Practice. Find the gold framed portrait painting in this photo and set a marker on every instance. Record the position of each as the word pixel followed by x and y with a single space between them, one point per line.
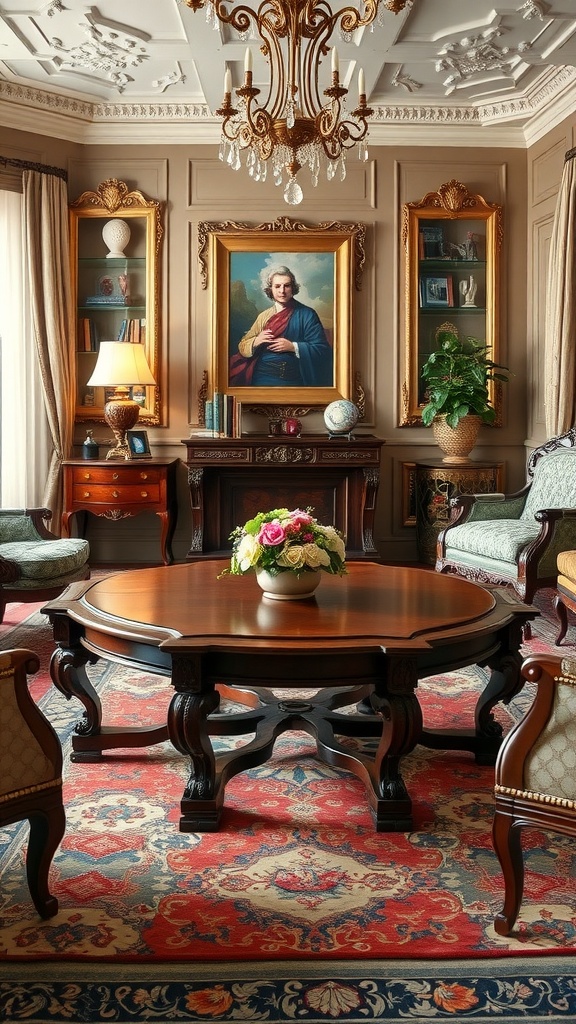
pixel 282 314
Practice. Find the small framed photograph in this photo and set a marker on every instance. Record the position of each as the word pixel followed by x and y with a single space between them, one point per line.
pixel 138 444
pixel 436 291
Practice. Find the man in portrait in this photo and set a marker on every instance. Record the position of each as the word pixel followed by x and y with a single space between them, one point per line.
pixel 286 346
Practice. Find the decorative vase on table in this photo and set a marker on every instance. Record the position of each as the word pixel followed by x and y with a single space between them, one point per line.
pixel 288 586
pixel 456 442
pixel 288 551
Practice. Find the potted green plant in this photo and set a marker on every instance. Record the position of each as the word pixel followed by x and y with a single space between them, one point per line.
pixel 457 376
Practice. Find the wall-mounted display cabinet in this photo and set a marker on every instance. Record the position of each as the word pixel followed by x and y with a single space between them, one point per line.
pixel 115 237
pixel 452 240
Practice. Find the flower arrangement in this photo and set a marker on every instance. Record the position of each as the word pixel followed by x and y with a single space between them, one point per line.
pixel 283 541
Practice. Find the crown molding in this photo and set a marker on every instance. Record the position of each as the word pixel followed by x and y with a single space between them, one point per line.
pixel 513 121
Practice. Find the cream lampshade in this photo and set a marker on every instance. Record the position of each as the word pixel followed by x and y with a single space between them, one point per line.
pixel 121 365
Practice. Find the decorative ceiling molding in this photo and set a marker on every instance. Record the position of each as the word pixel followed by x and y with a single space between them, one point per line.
pixel 73 119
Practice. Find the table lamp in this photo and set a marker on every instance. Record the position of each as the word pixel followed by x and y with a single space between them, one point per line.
pixel 121 365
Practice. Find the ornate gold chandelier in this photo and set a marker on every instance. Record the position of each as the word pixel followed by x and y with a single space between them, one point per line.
pixel 293 127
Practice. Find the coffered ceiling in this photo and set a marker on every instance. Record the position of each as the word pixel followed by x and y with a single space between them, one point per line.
pixel 483 72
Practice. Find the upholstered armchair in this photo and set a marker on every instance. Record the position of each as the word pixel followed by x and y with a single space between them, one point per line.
pixel 536 774
pixel 30 774
pixel 35 565
pixel 515 539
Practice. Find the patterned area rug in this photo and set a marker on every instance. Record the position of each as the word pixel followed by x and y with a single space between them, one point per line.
pixel 296 909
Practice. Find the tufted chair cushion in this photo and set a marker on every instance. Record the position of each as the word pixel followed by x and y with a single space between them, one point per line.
pixel 46 560
pixel 501 542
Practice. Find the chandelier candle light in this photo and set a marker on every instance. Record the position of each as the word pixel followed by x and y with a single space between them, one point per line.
pixel 293 127
pixel 287 551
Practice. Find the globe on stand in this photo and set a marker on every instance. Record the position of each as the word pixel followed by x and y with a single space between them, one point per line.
pixel 341 417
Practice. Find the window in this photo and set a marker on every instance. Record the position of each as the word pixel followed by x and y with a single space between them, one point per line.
pixel 24 435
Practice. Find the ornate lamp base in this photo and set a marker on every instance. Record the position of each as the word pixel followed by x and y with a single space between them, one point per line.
pixel 121 414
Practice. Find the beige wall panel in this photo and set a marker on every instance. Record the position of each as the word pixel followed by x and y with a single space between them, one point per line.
pixel 215 186
pixel 546 173
pixel 37 148
pixel 147 174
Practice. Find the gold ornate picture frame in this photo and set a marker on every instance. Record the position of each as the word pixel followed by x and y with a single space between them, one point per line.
pixel 326 261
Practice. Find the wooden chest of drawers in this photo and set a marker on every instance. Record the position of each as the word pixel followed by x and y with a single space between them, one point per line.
pixel 116 490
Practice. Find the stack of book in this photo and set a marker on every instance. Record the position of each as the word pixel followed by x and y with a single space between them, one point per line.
pixel 222 415
pixel 133 330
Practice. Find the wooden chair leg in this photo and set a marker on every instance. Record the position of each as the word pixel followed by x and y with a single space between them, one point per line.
pixel 47 827
pixel 562 616
pixel 506 838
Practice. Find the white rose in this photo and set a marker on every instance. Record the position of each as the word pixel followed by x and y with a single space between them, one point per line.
pixel 248 552
pixel 314 556
pixel 291 557
pixel 334 541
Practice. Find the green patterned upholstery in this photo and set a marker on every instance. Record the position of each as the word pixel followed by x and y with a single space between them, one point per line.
pixel 516 539
pixel 41 560
pixel 34 563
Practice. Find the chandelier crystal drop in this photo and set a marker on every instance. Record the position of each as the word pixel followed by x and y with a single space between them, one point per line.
pixel 293 127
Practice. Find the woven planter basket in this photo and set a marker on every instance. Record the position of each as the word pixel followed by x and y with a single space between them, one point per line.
pixel 458 442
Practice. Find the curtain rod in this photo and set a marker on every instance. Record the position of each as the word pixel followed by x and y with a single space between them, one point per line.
pixel 569 155
pixel 27 165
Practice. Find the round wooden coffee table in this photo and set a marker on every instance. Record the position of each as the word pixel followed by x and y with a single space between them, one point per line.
pixel 365 638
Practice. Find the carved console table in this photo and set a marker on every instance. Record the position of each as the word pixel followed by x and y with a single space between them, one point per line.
pixel 231 479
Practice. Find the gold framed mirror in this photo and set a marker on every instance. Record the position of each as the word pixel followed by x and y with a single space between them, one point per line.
pixel 115 236
pixel 452 240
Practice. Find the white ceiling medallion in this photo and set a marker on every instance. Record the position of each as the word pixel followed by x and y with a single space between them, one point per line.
pixel 104 52
pixel 474 55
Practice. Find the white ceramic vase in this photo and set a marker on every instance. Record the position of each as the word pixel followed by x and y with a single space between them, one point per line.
pixel 288 586
pixel 116 235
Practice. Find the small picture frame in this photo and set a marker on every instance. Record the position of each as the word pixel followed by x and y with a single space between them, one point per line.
pixel 436 291
pixel 138 444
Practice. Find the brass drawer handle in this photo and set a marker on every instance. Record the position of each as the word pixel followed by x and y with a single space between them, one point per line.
pixel 144 494
pixel 86 494
pixel 143 476
pixel 115 476
pixel 87 476
pixel 115 494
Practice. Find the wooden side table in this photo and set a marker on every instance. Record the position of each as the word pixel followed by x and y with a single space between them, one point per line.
pixel 116 490
pixel 436 483
pixel 231 479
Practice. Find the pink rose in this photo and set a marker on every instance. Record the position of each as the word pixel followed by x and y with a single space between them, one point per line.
pixel 271 534
pixel 299 518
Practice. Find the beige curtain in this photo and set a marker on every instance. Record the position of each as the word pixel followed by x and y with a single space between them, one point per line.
pixel 25 443
pixel 46 232
pixel 560 329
